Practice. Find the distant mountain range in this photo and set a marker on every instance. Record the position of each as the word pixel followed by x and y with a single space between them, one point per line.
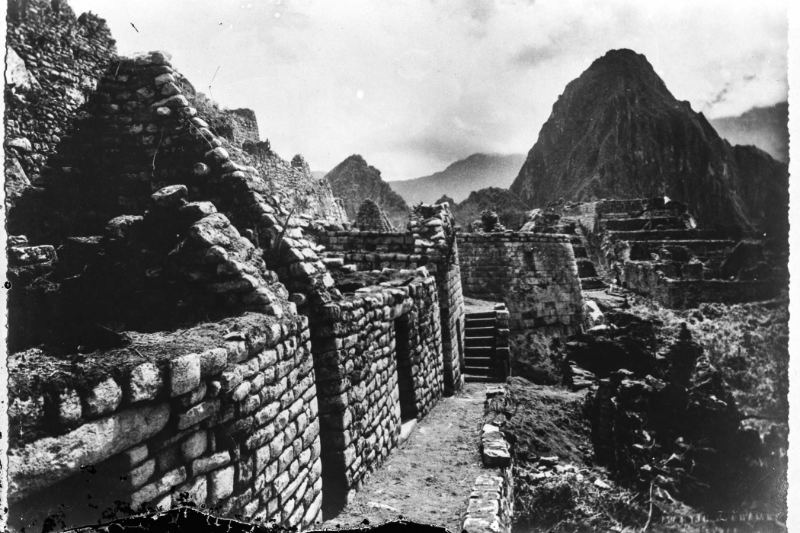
pixel 764 127
pixel 459 179
pixel 354 181
pixel 617 132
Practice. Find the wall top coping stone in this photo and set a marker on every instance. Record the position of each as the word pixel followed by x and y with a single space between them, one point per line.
pixel 514 236
pixel 356 233
pixel 35 372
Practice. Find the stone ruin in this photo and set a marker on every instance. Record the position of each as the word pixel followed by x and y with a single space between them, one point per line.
pixel 189 319
pixel 371 217
pixel 194 320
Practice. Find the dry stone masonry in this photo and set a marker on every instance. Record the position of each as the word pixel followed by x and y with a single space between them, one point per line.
pixel 230 421
pixel 243 347
pixel 54 62
pixel 490 507
pixel 534 274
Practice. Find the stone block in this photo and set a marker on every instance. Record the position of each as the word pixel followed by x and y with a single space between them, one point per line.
pixel 104 398
pixel 69 408
pixel 220 484
pixel 194 446
pixel 145 383
pixel 198 413
pixel 213 361
pixel 184 374
pixel 141 474
pixel 206 464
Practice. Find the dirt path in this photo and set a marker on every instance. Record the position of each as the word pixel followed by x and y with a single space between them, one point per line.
pixel 429 477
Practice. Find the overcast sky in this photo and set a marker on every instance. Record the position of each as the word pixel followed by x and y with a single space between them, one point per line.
pixel 415 85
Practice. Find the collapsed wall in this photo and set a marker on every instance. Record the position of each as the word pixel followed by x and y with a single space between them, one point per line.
pixel 534 274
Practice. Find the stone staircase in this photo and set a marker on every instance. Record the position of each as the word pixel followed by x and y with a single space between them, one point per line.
pixel 587 272
pixel 486 350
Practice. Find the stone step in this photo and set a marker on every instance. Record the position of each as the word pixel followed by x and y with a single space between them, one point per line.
pixel 470 378
pixel 483 331
pixel 641 250
pixel 592 283
pixel 479 322
pixel 471 351
pixel 651 213
pixel 666 234
pixel 640 223
pixel 478 362
pixel 479 341
pixel 479 314
pixel 586 269
pixel 476 370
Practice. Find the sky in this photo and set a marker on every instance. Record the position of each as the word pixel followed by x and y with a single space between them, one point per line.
pixel 414 85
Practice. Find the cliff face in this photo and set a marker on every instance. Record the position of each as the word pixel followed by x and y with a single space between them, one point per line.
pixel 354 181
pixel 617 132
pixel 461 178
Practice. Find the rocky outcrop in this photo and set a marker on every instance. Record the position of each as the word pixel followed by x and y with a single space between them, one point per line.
pixel 617 132
pixel 459 179
pixel 354 181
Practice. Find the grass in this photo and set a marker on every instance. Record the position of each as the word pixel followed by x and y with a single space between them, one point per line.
pixel 748 343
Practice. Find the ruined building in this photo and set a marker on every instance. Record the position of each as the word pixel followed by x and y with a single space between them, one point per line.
pixel 192 318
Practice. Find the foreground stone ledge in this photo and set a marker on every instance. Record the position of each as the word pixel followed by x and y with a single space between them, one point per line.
pixel 48 460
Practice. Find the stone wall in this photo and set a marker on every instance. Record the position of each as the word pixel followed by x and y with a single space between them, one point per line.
pixel 490 508
pixel 54 61
pixel 143 190
pixel 430 242
pixel 534 274
pixel 378 359
pixel 652 279
pixel 222 414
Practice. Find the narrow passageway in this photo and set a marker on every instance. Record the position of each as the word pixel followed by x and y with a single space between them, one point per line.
pixel 427 479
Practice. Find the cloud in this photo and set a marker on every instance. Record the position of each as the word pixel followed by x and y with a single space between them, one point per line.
pixel 534 55
pixel 444 78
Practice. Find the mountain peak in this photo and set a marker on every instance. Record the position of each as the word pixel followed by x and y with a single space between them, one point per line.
pixel 617 132
pixel 354 181
pixel 355 159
